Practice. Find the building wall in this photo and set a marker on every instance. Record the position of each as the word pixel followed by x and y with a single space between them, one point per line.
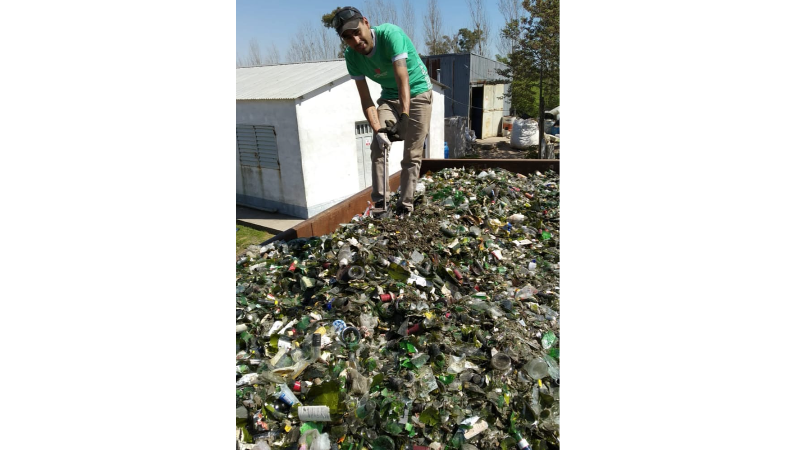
pixel 326 121
pixel 436 133
pixel 484 69
pixel 317 148
pixel 461 72
pixel 270 188
pixel 453 71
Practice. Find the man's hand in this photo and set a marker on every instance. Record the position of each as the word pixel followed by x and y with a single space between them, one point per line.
pixel 383 140
pixel 396 131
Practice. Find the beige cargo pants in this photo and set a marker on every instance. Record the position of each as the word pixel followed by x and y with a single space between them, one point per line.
pixel 420 121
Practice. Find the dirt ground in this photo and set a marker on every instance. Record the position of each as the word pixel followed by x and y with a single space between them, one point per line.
pixel 498 148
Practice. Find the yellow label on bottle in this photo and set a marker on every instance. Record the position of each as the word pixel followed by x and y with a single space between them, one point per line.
pixel 287 428
pixel 540 383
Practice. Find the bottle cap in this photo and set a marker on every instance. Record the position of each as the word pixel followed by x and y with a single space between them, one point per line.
pixel 339 325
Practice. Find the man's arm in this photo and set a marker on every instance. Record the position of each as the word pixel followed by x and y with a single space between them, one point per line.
pixel 370 112
pixel 403 87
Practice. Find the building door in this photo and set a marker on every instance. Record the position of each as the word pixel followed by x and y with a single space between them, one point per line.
pixel 363 141
pixel 492 110
pixel 476 110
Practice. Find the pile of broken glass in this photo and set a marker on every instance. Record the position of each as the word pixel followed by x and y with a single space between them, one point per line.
pixel 439 330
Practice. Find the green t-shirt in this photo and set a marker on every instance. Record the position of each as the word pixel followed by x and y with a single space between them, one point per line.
pixel 391 43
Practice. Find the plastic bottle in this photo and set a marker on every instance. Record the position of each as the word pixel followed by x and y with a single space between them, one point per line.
pixel 287 396
pixel 261 444
pixel 446 151
pixel 316 344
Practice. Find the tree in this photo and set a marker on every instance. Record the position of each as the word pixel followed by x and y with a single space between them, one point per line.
pixel 480 24
pixel 327 21
pixel 432 25
pixel 255 53
pixel 533 65
pixel 253 57
pixel 468 39
pixel 273 55
pixel 312 44
pixel 408 21
pixel 378 12
pixel 448 43
pixel 509 35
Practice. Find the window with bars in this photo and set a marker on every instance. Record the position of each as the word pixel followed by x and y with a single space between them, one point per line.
pixel 257 146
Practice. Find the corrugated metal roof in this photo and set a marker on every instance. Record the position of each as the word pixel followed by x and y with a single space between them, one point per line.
pixel 286 81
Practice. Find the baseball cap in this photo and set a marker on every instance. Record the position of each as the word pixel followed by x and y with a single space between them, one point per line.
pixel 347 18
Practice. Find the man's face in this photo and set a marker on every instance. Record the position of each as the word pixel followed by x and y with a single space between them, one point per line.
pixel 359 39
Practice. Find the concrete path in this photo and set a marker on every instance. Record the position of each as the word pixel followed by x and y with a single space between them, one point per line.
pixel 262 220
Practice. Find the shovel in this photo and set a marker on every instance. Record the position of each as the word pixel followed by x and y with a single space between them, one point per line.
pixel 385 177
pixel 389 124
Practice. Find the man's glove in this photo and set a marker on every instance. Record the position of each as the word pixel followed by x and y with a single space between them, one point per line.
pixel 383 140
pixel 396 131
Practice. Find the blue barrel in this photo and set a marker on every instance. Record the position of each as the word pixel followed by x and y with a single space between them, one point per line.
pixel 446 151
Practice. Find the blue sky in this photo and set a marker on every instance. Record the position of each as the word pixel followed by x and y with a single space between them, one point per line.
pixel 277 21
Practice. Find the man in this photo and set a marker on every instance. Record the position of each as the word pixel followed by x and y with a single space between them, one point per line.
pixel 386 55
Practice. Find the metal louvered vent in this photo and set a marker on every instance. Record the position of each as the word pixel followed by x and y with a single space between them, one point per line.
pixel 363 128
pixel 257 145
pixel 364 162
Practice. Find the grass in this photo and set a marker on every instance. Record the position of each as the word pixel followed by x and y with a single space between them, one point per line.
pixel 249 236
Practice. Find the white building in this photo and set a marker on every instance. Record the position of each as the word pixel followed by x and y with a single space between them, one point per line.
pixel 302 142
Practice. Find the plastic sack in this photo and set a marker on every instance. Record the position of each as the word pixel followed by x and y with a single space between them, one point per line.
pixel 360 383
pixel 315 441
pixel 261 445
pixel 548 125
pixel 368 322
pixel 470 136
pixel 524 133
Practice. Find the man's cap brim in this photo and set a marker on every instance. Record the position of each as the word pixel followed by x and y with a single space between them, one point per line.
pixel 351 24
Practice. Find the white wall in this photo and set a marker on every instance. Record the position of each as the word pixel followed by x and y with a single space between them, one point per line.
pixel 270 188
pixel 326 119
pixel 436 132
pixel 317 148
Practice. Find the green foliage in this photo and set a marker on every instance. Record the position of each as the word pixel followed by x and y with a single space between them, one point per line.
pixel 327 20
pixel 444 44
pixel 534 58
pixel 468 39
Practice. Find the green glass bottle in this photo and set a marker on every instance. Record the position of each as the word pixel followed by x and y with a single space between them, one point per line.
pixel 522 444
pixel 322 404
pixel 273 412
